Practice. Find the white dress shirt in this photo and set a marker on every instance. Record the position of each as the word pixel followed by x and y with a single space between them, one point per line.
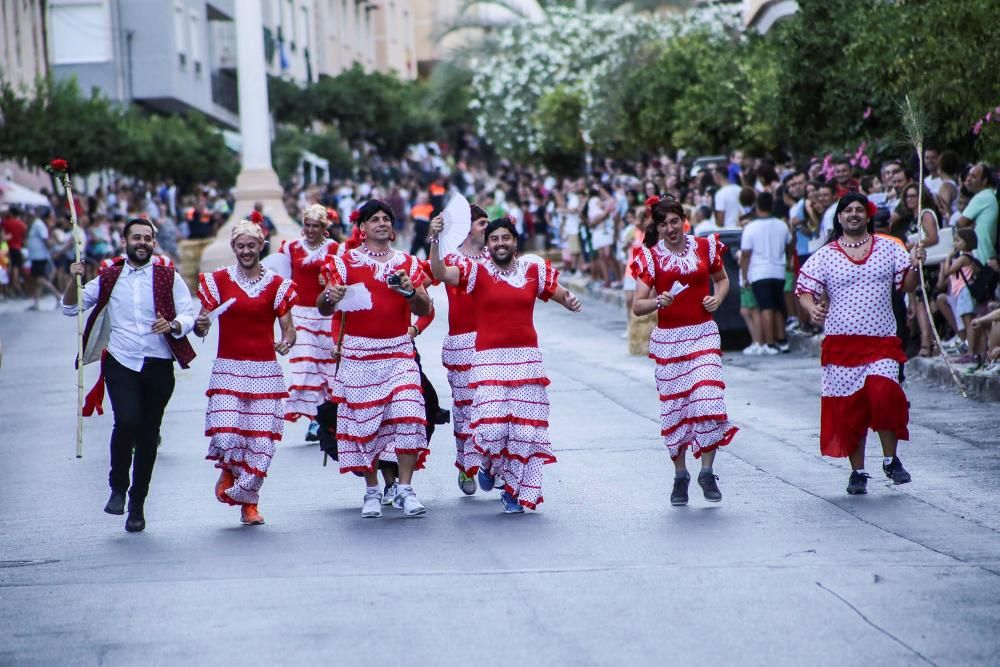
pixel 132 315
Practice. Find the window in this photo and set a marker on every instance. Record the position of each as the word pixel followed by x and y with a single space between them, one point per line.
pixel 305 27
pixel 180 34
pixel 196 37
pixel 79 31
pixel 289 20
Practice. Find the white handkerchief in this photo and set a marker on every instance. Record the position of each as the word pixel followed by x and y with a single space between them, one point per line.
pixel 677 288
pixel 357 298
pixel 221 308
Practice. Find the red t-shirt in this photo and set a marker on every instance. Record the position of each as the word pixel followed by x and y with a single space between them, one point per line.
pixel 17 230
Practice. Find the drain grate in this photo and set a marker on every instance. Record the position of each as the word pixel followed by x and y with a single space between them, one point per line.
pixel 26 563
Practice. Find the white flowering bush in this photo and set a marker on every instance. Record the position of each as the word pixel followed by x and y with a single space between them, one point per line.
pixel 566 50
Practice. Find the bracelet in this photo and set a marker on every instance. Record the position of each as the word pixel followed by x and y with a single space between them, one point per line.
pixel 415 328
pixel 433 240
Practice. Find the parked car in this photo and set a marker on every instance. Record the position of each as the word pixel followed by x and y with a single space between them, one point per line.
pixel 701 163
pixel 728 315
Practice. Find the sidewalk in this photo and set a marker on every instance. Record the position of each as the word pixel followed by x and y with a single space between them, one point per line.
pixel 931 369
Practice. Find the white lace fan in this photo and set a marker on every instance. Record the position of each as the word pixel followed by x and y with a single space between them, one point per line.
pixel 457 223
pixel 280 263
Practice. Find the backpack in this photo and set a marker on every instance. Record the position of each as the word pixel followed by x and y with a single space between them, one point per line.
pixel 984 283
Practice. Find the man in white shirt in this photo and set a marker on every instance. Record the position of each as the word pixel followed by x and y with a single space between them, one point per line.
pixel 763 259
pixel 727 200
pixel 39 246
pixel 149 310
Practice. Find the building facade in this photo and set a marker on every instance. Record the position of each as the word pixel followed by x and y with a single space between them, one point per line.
pixel 22 42
pixel 169 56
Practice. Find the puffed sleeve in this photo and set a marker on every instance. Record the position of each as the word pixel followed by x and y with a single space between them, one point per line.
pixel 208 291
pixel 812 277
pixel 900 263
pixel 285 297
pixel 467 272
pixel 642 266
pixel 416 272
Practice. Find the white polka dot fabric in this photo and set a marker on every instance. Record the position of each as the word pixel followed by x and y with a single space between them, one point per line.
pixel 457 355
pixel 312 363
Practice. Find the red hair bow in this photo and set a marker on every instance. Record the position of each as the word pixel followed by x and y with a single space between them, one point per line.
pixel 652 201
pixel 355 239
pixel 355 216
pixel 331 215
pixel 871 209
pixel 257 216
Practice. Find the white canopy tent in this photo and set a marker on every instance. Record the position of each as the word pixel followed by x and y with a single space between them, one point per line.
pixel 12 194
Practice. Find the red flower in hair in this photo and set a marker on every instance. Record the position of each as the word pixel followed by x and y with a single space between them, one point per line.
pixel 257 216
pixel 871 209
pixel 57 166
pixel 355 216
pixel 355 240
pixel 331 215
pixel 652 201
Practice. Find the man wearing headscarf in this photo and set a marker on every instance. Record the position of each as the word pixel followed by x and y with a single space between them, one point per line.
pixel 847 287
pixel 245 416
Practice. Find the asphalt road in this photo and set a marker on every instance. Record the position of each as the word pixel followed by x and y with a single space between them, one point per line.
pixel 788 569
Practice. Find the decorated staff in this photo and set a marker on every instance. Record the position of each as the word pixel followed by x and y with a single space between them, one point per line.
pixel 915 123
pixel 59 168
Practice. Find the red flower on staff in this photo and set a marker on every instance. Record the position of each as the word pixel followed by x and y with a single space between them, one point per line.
pixel 257 216
pixel 59 164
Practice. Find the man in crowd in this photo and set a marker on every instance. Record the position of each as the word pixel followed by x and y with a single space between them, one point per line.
pixel 143 310
pixel 39 244
pixel 763 258
pixel 727 200
pixel 14 230
pixel 981 213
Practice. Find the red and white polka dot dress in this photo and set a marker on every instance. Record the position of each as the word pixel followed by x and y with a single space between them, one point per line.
pixel 311 358
pixel 686 347
pixel 377 387
pixel 510 406
pixel 861 353
pixel 245 414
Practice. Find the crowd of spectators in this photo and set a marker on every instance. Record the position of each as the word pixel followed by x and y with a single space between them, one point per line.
pixel 592 224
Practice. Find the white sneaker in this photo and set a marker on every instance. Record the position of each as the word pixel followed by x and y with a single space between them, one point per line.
pixel 409 503
pixel 769 351
pixel 390 494
pixel 372 506
pixel 752 350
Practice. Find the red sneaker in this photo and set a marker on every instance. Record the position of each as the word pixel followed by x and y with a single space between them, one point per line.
pixel 226 481
pixel 249 516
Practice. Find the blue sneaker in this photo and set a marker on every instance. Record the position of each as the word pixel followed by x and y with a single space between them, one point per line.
pixel 486 480
pixel 510 504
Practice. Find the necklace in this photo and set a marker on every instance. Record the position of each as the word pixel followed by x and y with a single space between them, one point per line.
pixel 377 254
pixel 312 248
pixel 678 254
pixel 481 253
pixel 246 279
pixel 509 270
pixel 857 244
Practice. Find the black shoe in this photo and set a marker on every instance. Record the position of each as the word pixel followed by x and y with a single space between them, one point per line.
pixel 858 483
pixel 896 472
pixel 116 503
pixel 707 483
pixel 135 522
pixel 679 496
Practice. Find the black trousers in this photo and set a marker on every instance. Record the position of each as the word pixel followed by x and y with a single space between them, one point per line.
pixel 138 401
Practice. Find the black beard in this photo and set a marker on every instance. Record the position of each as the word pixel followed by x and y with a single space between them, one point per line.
pixel 501 263
pixel 131 254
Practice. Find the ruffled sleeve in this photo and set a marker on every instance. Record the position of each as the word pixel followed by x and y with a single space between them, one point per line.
pixel 334 272
pixel 548 280
pixel 642 266
pixel 208 291
pixel 900 263
pixel 716 249
pixel 428 275
pixel 285 297
pixel 467 272
pixel 812 278
pixel 283 248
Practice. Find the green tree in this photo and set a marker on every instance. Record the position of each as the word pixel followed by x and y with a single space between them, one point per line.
pixel 558 121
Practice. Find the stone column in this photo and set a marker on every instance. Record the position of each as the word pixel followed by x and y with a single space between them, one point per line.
pixel 257 180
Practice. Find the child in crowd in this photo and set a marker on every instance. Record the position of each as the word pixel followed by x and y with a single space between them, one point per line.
pixel 956 302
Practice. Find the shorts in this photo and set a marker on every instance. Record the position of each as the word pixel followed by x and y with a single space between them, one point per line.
pixel 16 258
pixel 746 298
pixel 39 268
pixel 962 304
pixel 601 239
pixel 789 282
pixel 769 293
